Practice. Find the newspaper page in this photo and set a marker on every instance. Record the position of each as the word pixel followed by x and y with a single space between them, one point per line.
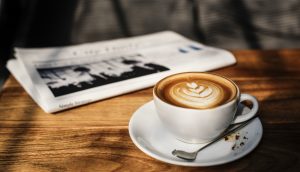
pixel 64 77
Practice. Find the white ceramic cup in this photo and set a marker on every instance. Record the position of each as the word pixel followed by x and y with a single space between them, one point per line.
pixel 202 125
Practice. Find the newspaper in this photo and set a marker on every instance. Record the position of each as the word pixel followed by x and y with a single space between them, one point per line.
pixel 64 77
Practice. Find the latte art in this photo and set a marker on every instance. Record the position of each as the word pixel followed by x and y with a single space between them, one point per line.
pixel 196 94
pixel 196 91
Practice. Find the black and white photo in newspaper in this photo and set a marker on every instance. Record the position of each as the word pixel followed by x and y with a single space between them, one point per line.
pixel 69 79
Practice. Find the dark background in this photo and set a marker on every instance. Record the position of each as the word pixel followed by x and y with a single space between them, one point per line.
pixel 230 24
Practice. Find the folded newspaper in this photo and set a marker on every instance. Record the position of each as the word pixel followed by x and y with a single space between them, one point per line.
pixel 64 77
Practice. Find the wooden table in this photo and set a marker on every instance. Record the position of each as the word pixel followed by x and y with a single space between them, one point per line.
pixel 95 137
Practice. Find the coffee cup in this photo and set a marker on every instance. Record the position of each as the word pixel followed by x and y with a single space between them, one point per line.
pixel 197 107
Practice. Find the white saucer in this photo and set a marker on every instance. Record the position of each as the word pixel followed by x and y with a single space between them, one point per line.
pixel 150 136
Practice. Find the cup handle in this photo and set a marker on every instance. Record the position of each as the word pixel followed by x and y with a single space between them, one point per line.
pixel 253 111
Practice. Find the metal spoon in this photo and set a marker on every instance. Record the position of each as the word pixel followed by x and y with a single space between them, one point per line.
pixel 191 156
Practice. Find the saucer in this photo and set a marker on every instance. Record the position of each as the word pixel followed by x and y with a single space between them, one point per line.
pixel 150 136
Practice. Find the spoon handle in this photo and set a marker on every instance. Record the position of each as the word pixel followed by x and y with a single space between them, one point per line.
pixel 232 129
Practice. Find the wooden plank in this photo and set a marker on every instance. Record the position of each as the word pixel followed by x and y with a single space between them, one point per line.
pixel 107 149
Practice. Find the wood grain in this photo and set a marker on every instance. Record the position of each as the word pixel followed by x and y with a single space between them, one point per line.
pixel 95 137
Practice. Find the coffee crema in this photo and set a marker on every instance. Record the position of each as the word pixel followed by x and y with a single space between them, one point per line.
pixel 196 90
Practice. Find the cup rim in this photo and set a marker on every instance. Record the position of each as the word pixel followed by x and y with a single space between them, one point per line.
pixel 236 97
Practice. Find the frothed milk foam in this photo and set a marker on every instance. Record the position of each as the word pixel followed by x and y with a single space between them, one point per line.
pixel 196 90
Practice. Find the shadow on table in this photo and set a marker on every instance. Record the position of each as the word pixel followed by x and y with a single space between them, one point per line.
pixel 17 135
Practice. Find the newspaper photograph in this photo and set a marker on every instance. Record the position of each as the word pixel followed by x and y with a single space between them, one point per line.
pixel 68 79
